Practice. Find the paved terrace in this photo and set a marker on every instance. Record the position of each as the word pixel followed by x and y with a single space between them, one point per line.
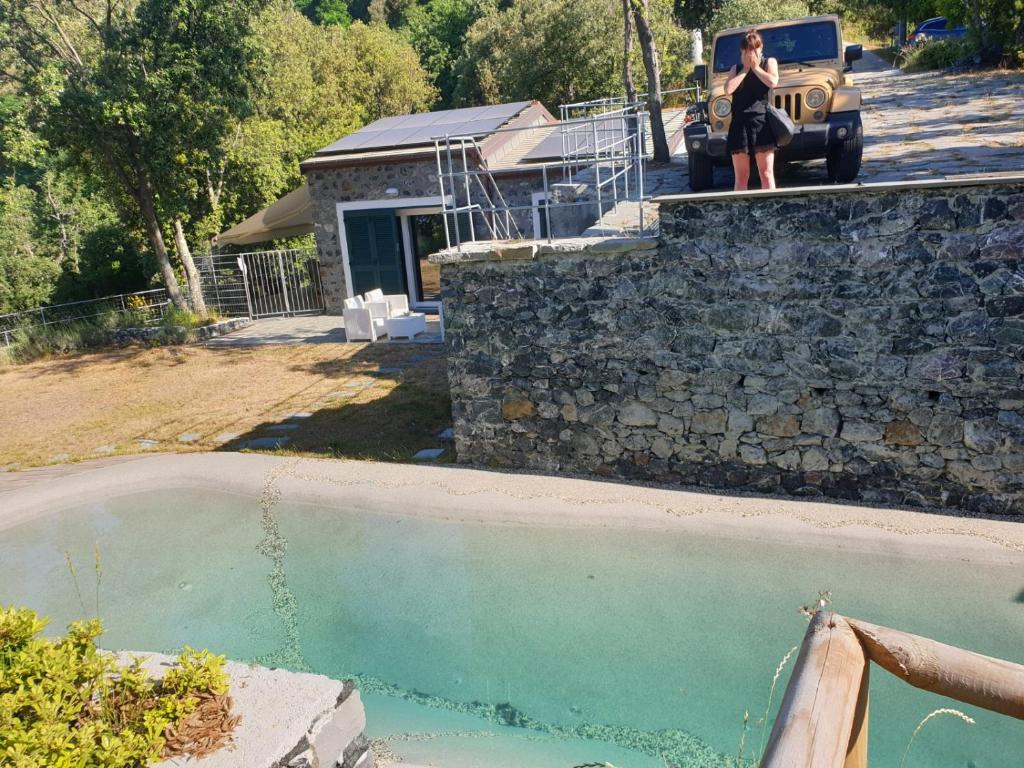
pixel 916 126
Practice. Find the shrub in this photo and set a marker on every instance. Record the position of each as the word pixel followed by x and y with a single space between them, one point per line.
pixel 940 54
pixel 63 702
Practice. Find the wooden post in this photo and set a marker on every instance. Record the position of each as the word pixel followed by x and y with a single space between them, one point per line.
pixel 969 677
pixel 857 750
pixel 815 725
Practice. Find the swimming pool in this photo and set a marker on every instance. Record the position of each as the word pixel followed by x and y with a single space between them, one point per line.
pixel 482 640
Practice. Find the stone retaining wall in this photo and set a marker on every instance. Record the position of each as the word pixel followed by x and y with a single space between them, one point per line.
pixel 858 343
pixel 175 333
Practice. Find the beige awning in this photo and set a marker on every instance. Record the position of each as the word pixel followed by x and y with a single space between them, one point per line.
pixel 291 216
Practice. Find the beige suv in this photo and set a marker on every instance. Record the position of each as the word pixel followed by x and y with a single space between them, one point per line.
pixel 814 89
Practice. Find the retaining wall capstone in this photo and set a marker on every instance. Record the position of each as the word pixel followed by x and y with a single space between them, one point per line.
pixel 863 344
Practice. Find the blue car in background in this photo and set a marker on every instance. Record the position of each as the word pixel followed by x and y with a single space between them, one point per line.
pixel 935 29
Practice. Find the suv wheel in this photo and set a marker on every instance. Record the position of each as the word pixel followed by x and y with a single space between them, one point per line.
pixel 843 160
pixel 702 171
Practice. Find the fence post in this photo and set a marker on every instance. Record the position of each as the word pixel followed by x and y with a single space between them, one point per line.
pixel 284 283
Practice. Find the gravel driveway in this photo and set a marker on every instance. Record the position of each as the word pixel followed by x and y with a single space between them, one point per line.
pixel 916 126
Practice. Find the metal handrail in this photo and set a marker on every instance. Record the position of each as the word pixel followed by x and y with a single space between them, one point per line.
pixel 611 143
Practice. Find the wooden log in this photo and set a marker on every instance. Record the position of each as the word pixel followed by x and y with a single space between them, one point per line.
pixel 857 751
pixel 817 714
pixel 962 675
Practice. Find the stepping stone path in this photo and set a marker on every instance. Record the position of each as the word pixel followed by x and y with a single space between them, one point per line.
pixel 446 434
pixel 59 458
pixel 390 371
pixel 189 437
pixel 300 415
pixel 146 444
pixel 428 454
pixel 264 443
pixel 104 449
pixel 226 437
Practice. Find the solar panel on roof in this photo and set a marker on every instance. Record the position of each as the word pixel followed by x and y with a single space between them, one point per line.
pixel 417 129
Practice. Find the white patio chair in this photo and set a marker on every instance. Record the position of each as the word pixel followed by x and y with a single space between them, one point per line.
pixel 386 305
pixel 360 322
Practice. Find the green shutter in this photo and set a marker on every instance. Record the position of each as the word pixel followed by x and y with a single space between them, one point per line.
pixel 375 251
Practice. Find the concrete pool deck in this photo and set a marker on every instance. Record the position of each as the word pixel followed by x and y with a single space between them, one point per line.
pixel 498 498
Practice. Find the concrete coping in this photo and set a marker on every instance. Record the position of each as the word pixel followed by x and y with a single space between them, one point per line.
pixel 525 250
pixel 965 180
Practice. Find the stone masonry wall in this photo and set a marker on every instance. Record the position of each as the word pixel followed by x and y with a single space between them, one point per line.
pixel 863 344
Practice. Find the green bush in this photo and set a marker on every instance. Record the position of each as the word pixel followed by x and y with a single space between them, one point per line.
pixel 940 54
pixel 65 704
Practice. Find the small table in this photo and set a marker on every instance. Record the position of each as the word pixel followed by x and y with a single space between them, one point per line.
pixel 407 325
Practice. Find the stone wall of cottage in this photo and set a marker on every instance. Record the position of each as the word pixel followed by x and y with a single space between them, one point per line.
pixel 857 344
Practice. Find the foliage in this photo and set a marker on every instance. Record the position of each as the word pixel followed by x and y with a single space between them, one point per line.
pixel 559 53
pixel 741 13
pixel 437 30
pixel 320 83
pixel 327 12
pixel 27 277
pixel 137 93
pixel 64 703
pixel 940 54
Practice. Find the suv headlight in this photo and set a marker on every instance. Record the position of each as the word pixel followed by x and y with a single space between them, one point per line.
pixel 722 108
pixel 815 98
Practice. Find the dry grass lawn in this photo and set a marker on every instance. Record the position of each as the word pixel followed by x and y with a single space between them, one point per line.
pixel 197 398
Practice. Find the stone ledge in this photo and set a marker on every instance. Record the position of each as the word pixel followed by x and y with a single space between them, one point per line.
pixel 526 250
pixel 966 180
pixel 288 719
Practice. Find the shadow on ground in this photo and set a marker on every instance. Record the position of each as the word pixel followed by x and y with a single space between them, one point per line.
pixel 384 409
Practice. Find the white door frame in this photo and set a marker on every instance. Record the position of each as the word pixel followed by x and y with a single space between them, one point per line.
pixel 395 204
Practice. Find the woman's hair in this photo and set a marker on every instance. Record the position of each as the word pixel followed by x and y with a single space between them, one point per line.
pixel 751 41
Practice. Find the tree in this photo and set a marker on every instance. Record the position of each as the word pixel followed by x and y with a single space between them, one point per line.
pixel 641 19
pixel 319 84
pixel 437 30
pixel 27 277
pixel 559 52
pixel 627 52
pixel 741 13
pixel 135 92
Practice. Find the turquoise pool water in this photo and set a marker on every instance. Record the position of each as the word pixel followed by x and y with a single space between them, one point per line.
pixel 599 644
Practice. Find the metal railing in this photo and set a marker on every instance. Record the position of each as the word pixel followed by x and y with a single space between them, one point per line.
pixel 602 153
pixel 153 301
pixel 262 283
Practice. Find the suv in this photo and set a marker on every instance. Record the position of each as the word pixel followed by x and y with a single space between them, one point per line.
pixel 935 29
pixel 813 89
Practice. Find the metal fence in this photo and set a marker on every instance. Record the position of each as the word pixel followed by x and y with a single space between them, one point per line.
pixel 596 187
pixel 604 152
pixel 151 303
pixel 262 283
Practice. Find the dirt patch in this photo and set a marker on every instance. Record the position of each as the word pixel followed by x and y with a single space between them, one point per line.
pixel 348 400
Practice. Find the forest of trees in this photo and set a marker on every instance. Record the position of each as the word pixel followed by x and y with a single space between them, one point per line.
pixel 132 131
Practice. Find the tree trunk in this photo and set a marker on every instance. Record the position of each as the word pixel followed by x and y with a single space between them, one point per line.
pixel 653 68
pixel 195 288
pixel 627 48
pixel 147 206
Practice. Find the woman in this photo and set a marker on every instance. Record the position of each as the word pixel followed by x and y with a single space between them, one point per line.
pixel 749 133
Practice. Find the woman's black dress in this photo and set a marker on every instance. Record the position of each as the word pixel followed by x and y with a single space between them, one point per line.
pixel 749 131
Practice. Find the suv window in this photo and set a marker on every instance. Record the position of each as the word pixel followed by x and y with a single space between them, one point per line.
pixel 812 41
pixel 935 25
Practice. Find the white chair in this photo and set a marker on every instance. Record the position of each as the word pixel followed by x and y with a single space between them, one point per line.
pixel 360 322
pixel 386 305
